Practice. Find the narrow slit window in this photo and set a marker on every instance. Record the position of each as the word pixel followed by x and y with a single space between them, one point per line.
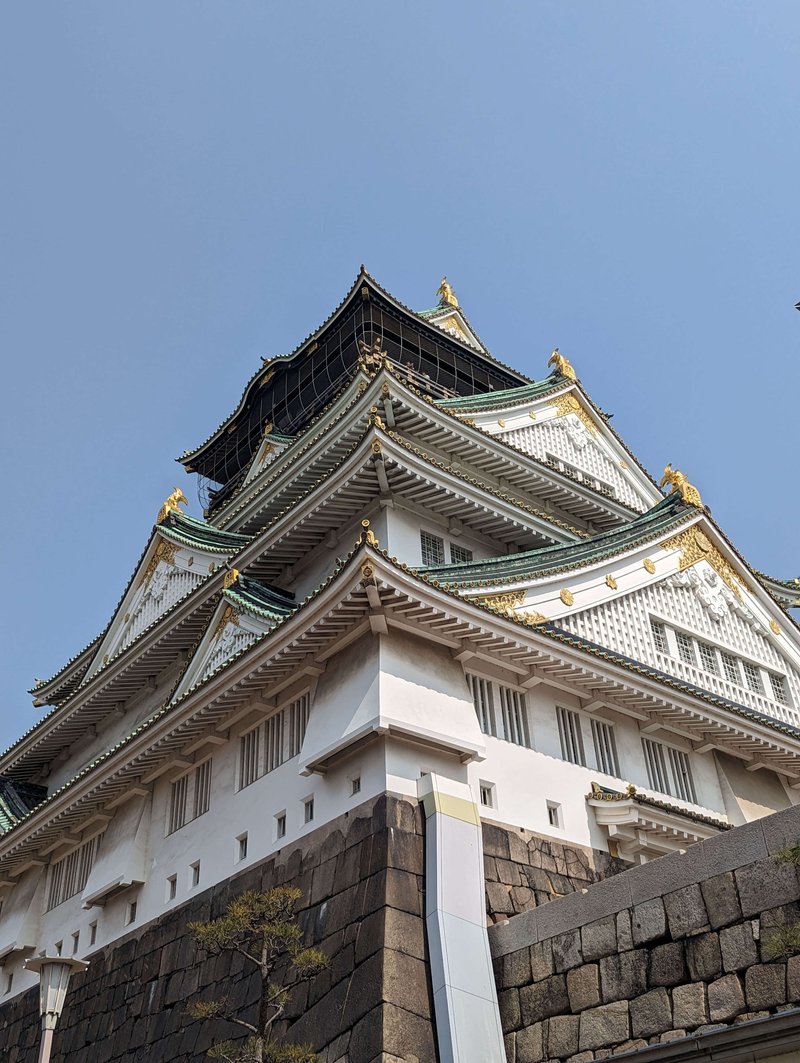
pixel 273 741
pixel 487 794
pixel 298 722
pixel 482 699
pixel 569 732
pixel 605 748
pixel 515 717
pixel 249 750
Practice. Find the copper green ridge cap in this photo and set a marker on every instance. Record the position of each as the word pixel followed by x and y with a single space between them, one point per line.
pixel 490 400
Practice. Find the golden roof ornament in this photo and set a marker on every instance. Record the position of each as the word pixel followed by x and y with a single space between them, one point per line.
pixel 172 505
pixel 562 365
pixel 368 534
pixel 231 577
pixel 447 297
pixel 680 484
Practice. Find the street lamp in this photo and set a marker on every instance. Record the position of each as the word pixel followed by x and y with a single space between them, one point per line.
pixel 54 972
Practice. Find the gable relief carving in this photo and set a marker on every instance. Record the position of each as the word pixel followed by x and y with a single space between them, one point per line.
pixel 568 408
pixel 695 546
pixel 715 598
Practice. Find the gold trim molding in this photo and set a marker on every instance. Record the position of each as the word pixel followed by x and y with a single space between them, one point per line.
pixel 165 551
pixel 565 404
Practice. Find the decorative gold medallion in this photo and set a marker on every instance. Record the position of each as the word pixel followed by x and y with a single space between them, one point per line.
pixel 501 422
pixel 566 596
pixel 611 582
pixel 649 565
pixel 532 414
pixel 775 627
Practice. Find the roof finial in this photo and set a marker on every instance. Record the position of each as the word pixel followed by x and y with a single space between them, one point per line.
pixel 447 297
pixel 680 484
pixel 562 364
pixel 172 504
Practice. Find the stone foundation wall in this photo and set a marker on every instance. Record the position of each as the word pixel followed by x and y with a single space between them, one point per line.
pixel 681 946
pixel 361 878
pixel 525 870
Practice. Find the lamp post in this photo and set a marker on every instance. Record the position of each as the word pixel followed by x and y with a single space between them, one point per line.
pixel 54 972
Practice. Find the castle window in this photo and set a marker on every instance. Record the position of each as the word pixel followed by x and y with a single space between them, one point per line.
pixel 708 657
pixel 273 742
pixel 194 875
pixel 668 770
pixel 92 933
pixel 685 648
pixel 752 677
pixel 487 794
pixel 432 549
pixel 76 941
pixel 605 747
pixel 569 732
pixel 355 786
pixel 308 810
pixel 69 875
pixel 459 555
pixel 130 916
pixel 659 636
pixel 280 825
pixel 241 847
pixel 730 667
pixel 172 887
pixel 515 717
pixel 482 699
pixel 191 791
pixel 298 722
pixel 554 814
pixel 249 750
pixel 778 684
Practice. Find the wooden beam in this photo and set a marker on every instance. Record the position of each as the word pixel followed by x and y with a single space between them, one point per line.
pixel 163 768
pixel 127 794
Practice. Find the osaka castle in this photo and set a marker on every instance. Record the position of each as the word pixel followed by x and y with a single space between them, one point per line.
pixel 439 652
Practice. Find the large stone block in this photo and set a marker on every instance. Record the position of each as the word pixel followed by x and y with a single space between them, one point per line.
pixel 606 1025
pixel 543 999
pixel 516 969
pixel 667 965
pixel 651 1013
pixel 738 946
pixel 583 987
pixel 624 976
pixel 703 957
pixel 541 957
pixel 689 1006
pixel 530 1044
pixel 725 998
pixel 562 1036
pixel 567 950
pixel 648 921
pixel 508 1002
pixel 766 884
pixel 793 980
pixel 721 900
pixel 686 911
pixel 599 938
pixel 765 986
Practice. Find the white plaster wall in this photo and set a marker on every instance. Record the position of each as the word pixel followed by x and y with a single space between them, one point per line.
pixel 403 538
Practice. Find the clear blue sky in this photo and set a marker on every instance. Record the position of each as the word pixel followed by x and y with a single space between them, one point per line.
pixel 187 186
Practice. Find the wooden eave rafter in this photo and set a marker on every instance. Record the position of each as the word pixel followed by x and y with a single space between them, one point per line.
pixel 369 583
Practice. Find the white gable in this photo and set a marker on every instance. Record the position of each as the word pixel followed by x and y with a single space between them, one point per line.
pixel 231 630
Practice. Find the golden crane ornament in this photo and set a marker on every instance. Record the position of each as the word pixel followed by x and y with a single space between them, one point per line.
pixel 447 297
pixel 172 505
pixel 562 365
pixel 679 483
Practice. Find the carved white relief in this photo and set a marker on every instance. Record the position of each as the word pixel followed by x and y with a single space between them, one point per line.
pixel 710 590
pixel 576 430
pixel 232 640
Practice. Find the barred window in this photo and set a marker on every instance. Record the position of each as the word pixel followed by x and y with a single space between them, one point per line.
pixel 708 657
pixel 669 770
pixel 730 667
pixel 569 732
pixel 482 699
pixel 432 549
pixel 189 797
pixel 752 677
pixel 685 648
pixel 605 747
pixel 70 874
pixel 459 555
pixel 778 684
pixel 249 757
pixel 515 716
pixel 298 722
pixel 659 636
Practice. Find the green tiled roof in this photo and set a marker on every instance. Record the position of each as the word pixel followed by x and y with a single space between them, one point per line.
pixel 193 532
pixel 492 400
pixel 603 793
pixel 656 522
pixel 259 598
pixel 17 799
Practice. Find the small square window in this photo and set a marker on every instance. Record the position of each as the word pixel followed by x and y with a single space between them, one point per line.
pixel 92 933
pixel 355 785
pixel 194 875
pixel 130 916
pixel 76 942
pixel 59 947
pixel 172 887
pixel 487 794
pixel 554 814
pixel 241 847
pixel 280 825
pixel 308 810
pixel 9 982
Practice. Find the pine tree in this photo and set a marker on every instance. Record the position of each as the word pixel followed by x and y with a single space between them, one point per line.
pixel 261 927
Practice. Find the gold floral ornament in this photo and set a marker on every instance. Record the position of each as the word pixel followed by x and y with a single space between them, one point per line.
pixel 229 616
pixel 649 565
pixel 172 504
pixel 775 627
pixel 368 534
pixel 611 582
pixel 164 552
pixel 447 297
pixel 562 365
pixel 504 603
pixel 566 596
pixel 231 577
pixel 680 484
